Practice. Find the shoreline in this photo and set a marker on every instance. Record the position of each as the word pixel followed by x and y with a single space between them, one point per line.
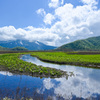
pixel 21 67
pixel 70 63
pixel 17 72
pixel 38 71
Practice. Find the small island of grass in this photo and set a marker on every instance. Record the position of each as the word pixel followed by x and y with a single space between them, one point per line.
pixel 12 63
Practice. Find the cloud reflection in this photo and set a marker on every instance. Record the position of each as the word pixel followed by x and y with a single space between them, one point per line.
pixel 6 73
pixel 79 86
pixel 85 82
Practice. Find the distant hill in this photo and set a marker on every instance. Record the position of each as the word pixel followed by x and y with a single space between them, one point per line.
pixel 89 44
pixel 13 49
pixel 19 49
pixel 3 49
pixel 36 45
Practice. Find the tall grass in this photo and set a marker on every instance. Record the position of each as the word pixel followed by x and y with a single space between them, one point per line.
pixel 66 58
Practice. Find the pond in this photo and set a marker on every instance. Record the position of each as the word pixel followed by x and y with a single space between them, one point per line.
pixel 83 84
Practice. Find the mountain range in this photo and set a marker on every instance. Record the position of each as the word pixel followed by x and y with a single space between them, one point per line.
pixel 36 45
pixel 89 44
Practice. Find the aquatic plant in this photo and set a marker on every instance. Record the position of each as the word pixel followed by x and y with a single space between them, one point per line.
pixel 14 64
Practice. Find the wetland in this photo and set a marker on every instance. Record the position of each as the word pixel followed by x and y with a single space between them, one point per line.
pixel 79 83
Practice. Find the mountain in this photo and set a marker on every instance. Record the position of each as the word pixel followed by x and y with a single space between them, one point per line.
pixel 13 49
pixel 36 45
pixel 3 49
pixel 19 49
pixel 92 43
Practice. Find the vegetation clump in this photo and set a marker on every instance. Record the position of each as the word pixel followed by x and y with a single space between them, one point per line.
pixel 16 65
pixel 74 58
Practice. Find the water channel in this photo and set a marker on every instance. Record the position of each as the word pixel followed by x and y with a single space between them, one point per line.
pixel 84 83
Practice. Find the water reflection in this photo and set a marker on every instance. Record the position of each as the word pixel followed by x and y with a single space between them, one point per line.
pixel 84 84
pixel 6 73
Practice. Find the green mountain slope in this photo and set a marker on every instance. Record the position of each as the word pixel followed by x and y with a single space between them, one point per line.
pixel 19 49
pixel 13 49
pixel 3 49
pixel 92 43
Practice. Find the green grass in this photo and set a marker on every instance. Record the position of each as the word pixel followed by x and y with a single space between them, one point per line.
pixel 13 63
pixel 66 58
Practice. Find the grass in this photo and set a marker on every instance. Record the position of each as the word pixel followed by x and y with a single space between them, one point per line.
pixel 90 60
pixel 14 64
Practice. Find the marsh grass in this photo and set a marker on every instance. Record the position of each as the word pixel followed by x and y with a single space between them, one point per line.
pixel 89 60
pixel 16 65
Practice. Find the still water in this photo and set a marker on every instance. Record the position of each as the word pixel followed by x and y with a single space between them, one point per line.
pixel 84 83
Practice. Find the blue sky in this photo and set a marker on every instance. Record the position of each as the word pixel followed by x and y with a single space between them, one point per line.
pixel 53 22
pixel 20 13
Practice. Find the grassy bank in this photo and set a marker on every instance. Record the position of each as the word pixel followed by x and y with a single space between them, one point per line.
pixel 89 60
pixel 16 65
pixel 12 62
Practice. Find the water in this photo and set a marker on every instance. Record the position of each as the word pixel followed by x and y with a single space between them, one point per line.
pixel 84 84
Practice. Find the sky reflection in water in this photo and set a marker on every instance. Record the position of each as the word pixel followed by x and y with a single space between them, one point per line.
pixel 85 83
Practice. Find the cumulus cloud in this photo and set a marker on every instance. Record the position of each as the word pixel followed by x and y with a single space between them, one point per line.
pixel 55 3
pixel 48 18
pixel 41 11
pixel 29 33
pixel 69 24
pixel 89 1
pixel 76 23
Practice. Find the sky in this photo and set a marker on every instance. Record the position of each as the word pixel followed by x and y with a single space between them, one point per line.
pixel 52 22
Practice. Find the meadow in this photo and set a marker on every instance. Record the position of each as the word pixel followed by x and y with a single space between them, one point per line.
pixel 12 63
pixel 71 58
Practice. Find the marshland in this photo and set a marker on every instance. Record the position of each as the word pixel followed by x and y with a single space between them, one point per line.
pixel 50 75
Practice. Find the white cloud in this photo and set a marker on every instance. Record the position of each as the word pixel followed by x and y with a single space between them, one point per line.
pixel 41 11
pixel 76 23
pixel 48 18
pixel 62 2
pixel 55 3
pixel 6 33
pixel 69 24
pixel 89 2
pixel 29 33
